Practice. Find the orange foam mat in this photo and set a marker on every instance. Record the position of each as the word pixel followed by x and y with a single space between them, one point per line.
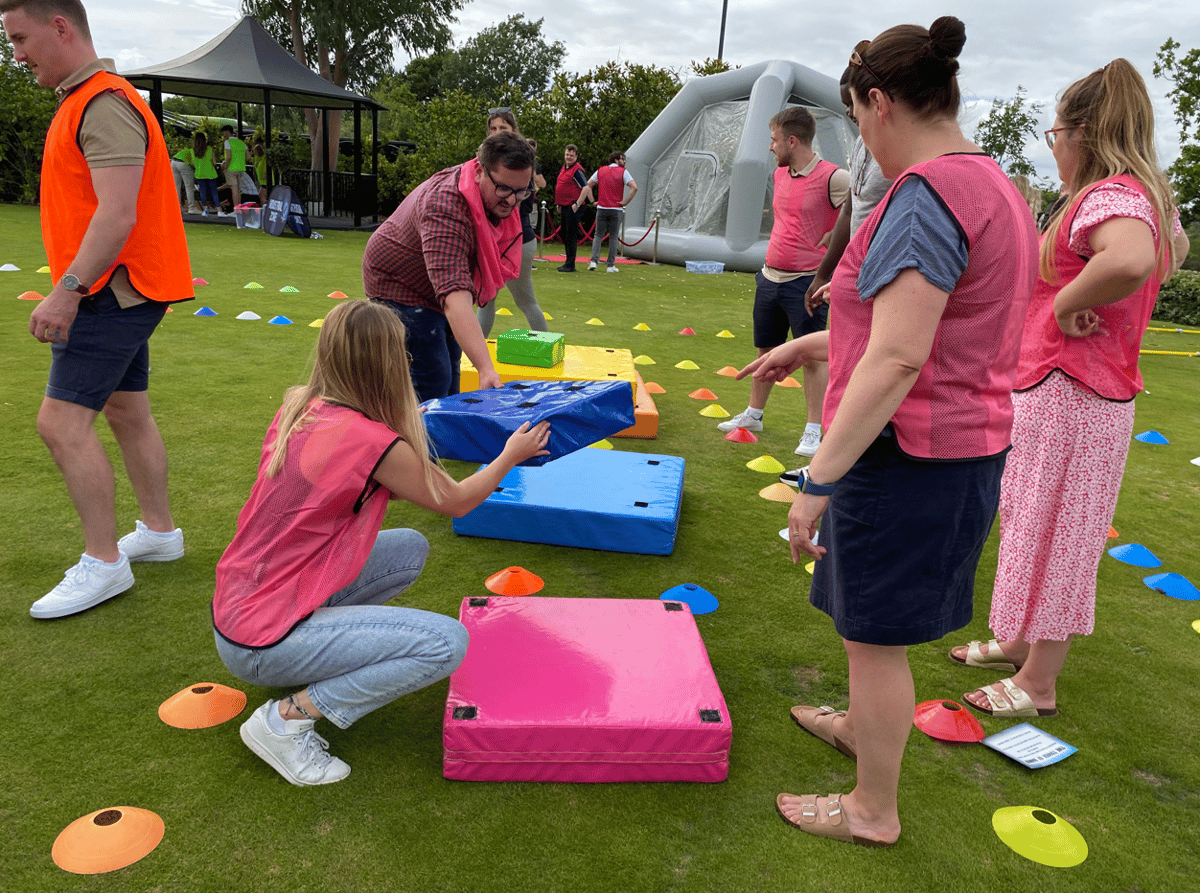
pixel 645 414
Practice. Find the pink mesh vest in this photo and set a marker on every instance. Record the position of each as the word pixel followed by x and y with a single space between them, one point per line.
pixel 305 533
pixel 803 215
pixel 961 404
pixel 1106 364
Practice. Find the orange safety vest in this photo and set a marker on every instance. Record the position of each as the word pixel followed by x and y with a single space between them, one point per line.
pixel 155 254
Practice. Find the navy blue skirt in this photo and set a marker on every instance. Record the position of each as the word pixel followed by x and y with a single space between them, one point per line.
pixel 904 538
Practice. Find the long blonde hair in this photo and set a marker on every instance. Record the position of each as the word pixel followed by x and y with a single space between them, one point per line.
pixel 1112 109
pixel 361 363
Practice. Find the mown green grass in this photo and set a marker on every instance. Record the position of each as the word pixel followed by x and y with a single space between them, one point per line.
pixel 81 730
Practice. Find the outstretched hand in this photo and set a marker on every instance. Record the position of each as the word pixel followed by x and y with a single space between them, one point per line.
pixel 526 443
pixel 1081 324
pixel 776 365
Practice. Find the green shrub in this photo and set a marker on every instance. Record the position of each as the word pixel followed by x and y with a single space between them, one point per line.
pixel 1179 299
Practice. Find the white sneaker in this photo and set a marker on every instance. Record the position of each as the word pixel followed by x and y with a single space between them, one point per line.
pixel 85 585
pixel 145 544
pixel 612 269
pixel 300 755
pixel 742 420
pixel 592 265
pixel 808 444
pixel 224 214
pixel 791 478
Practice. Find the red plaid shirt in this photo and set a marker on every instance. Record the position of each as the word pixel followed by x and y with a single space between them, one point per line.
pixel 426 249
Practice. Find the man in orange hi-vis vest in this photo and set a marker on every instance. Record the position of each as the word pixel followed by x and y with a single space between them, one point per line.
pixel 117 254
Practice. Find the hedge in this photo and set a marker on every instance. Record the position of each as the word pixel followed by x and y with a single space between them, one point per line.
pixel 1179 299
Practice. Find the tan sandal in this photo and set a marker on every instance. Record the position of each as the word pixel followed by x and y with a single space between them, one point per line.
pixel 821 817
pixel 818 721
pixel 1014 701
pixel 993 660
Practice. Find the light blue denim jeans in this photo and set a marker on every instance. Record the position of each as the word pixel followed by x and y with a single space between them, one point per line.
pixel 355 654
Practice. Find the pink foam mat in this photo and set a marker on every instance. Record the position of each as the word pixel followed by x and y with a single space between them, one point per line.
pixel 584 690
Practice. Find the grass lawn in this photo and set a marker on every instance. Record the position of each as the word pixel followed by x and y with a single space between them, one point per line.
pixel 81 730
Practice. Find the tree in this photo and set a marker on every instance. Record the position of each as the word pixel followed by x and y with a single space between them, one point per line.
pixel 350 44
pixel 711 66
pixel 1184 75
pixel 25 113
pixel 1002 134
pixel 505 64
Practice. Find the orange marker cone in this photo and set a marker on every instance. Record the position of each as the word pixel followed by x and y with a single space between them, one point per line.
pixel 778 493
pixel 729 371
pixel 337 295
pixel 702 394
pixel 201 706
pixel 107 839
pixel 1112 532
pixel 31 296
pixel 653 387
pixel 514 581
pixel 789 382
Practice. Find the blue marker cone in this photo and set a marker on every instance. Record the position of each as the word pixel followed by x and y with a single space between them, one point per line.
pixel 280 321
pixel 205 311
pixel 1151 437
pixel 700 600
pixel 1135 554
pixel 1174 586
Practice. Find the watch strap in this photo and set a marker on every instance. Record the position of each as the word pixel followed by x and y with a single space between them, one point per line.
pixel 812 488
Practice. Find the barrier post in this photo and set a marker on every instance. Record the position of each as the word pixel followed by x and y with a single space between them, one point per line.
pixel 654 255
pixel 541 237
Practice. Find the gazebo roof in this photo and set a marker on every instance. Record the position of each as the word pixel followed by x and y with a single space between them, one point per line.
pixel 241 63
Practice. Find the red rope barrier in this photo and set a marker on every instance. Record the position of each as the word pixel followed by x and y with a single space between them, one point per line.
pixel 649 229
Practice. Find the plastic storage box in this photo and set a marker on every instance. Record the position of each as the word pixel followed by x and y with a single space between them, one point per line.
pixel 248 216
pixel 522 347
pixel 705 266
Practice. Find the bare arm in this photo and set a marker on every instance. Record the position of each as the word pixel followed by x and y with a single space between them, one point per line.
pixel 116 212
pixel 585 196
pixel 458 306
pixel 1182 247
pixel 539 181
pixel 403 473
pixel 839 238
pixel 633 188
pixel 785 359
pixel 903 327
pixel 1125 258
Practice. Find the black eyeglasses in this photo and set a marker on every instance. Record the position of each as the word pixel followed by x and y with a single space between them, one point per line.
pixel 505 191
pixel 856 60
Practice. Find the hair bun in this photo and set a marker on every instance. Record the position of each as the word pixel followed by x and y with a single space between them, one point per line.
pixel 947 36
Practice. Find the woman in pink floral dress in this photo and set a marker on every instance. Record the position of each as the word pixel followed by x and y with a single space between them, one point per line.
pixel 1105 254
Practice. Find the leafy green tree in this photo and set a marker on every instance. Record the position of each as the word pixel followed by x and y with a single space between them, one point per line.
pixel 505 64
pixel 1183 72
pixel 711 66
pixel 350 44
pixel 1002 134
pixel 25 113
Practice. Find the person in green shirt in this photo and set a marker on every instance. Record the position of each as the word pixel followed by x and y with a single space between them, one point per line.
pixel 259 154
pixel 235 164
pixel 206 174
pixel 185 181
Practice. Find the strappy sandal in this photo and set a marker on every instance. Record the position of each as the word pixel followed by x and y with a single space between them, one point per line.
pixel 818 721
pixel 993 660
pixel 822 817
pixel 1014 701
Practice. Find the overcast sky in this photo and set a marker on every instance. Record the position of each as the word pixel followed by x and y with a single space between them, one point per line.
pixel 1043 46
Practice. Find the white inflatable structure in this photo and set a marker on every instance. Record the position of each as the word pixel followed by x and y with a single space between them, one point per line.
pixel 704 166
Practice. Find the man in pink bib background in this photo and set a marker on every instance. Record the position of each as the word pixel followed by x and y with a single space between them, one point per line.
pixel 809 193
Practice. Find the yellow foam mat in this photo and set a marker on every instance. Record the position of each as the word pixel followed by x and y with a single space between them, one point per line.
pixel 579 364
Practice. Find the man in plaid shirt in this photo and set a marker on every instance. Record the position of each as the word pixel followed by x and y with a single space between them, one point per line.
pixel 436 257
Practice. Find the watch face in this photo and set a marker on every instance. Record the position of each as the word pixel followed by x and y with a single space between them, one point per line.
pixel 70 282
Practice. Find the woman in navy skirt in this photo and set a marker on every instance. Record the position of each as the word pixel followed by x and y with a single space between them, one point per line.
pixel 926 308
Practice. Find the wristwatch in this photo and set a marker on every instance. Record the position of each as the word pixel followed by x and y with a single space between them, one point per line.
pixel 812 488
pixel 71 283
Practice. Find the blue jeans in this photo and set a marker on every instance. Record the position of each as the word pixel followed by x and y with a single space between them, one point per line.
pixel 608 221
pixel 354 653
pixel 208 193
pixel 433 353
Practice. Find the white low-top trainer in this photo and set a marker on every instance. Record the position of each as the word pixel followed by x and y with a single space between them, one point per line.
pixel 742 420
pixel 145 544
pixel 808 444
pixel 300 755
pixel 84 586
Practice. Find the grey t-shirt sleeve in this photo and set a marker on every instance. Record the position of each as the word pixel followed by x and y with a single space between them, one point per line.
pixel 917 232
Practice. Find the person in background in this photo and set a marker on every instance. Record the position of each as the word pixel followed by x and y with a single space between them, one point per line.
pixel 206 174
pixel 259 155
pixel 615 188
pixel 929 300
pixel 301 589
pixel 521 288
pixel 185 181
pixel 1109 247
pixel 567 189
pixel 235 164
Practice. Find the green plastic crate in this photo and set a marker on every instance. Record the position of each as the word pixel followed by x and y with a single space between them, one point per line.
pixel 522 347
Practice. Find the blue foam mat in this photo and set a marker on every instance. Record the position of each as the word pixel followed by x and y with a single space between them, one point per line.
pixel 592 499
pixel 473 427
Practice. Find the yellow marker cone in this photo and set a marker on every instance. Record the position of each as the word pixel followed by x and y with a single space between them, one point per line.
pixel 504 311
pixel 641 327
pixel 810 567
pixel 593 322
pixel 686 364
pixel 601 445
pixel 548 316
pixel 766 465
pixel 316 323
pixel 725 333
pixel 714 411
pixel 43 269
pixel 1040 836
pixel 778 493
pixel 644 360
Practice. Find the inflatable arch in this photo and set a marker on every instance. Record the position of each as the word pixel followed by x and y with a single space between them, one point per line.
pixel 704 166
